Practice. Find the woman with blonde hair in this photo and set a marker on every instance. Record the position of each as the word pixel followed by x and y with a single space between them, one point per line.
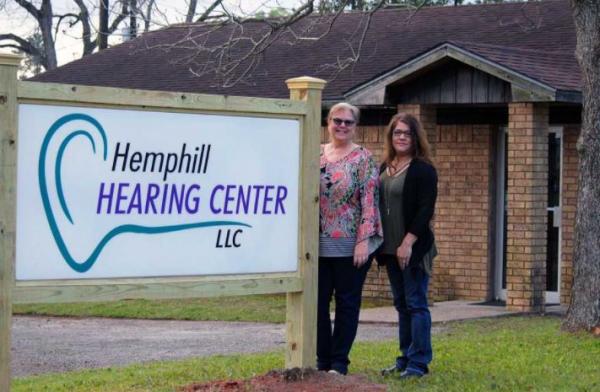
pixel 349 234
pixel 408 194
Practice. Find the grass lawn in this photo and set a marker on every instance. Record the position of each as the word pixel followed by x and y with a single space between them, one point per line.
pixel 502 354
pixel 257 308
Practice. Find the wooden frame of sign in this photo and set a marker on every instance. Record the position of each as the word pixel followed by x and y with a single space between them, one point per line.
pixel 301 286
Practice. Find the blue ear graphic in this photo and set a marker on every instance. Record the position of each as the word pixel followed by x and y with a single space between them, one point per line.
pixel 96 136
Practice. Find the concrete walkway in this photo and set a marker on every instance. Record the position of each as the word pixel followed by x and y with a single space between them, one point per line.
pixel 440 312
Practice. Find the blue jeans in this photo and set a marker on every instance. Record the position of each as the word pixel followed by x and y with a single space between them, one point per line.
pixel 409 288
pixel 338 277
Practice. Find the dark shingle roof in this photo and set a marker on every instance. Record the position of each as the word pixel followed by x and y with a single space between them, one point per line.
pixel 550 67
pixel 536 39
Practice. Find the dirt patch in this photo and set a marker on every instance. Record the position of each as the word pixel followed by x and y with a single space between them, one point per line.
pixel 290 380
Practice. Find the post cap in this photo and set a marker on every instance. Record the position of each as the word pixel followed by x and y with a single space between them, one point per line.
pixel 305 83
pixel 10 59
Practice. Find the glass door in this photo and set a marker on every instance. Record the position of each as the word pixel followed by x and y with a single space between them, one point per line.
pixel 554 215
pixel 501 173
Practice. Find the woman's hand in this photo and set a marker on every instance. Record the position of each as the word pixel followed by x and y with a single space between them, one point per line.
pixel 404 251
pixel 403 254
pixel 361 253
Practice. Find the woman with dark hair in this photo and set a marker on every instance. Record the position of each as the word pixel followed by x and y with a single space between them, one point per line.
pixel 349 234
pixel 408 193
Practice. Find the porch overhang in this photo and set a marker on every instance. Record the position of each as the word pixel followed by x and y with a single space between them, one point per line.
pixel 523 88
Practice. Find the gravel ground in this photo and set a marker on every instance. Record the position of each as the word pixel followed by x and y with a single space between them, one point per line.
pixel 55 344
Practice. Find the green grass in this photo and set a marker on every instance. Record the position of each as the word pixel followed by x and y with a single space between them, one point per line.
pixel 254 308
pixel 503 354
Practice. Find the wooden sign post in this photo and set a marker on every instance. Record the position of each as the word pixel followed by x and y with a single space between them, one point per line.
pixel 8 159
pixel 301 306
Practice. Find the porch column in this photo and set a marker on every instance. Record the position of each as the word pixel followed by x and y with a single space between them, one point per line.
pixel 527 198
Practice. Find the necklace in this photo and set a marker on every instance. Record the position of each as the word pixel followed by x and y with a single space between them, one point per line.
pixel 396 168
pixel 387 185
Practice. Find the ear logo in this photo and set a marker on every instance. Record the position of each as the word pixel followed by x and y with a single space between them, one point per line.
pixel 98 140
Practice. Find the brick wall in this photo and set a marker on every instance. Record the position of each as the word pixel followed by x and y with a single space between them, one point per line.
pixel 462 212
pixel 569 206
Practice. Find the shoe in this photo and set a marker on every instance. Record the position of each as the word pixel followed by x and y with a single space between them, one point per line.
pixel 407 374
pixel 323 366
pixel 394 369
pixel 333 371
pixel 391 370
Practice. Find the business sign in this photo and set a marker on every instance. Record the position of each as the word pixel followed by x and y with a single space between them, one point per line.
pixel 110 193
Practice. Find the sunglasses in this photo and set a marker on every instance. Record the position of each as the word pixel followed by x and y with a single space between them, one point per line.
pixel 339 121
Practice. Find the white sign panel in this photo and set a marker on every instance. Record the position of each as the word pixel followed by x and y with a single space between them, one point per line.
pixel 107 193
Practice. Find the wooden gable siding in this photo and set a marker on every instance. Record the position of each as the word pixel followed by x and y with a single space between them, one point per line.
pixel 452 83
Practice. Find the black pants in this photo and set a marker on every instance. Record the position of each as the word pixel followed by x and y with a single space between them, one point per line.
pixel 338 277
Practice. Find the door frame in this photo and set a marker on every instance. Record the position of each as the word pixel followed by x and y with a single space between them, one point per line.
pixel 500 225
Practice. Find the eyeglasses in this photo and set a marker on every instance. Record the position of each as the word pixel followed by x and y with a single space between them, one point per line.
pixel 339 121
pixel 398 133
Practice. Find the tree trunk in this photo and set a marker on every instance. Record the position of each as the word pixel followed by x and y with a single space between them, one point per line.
pixel 584 310
pixel 133 19
pixel 103 25
pixel 45 23
pixel 191 11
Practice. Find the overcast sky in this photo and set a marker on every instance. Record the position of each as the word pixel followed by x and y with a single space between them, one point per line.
pixel 13 19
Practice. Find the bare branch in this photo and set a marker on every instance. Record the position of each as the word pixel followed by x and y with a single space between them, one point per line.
pixel 208 10
pixel 305 36
pixel 60 18
pixel 147 15
pixel 29 7
pixel 120 17
pixel 89 44
pixel 342 64
pixel 416 9
pixel 20 44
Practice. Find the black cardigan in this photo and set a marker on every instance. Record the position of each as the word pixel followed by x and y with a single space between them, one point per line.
pixel 418 205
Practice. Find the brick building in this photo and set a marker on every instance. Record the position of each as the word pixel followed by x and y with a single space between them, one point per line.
pixel 498 90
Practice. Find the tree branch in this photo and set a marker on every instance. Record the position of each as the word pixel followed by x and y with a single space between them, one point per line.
pixel 120 17
pixel 86 30
pixel 21 44
pixel 29 7
pixel 60 19
pixel 207 12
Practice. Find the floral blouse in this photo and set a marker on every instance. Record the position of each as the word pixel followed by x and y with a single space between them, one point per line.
pixel 349 203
